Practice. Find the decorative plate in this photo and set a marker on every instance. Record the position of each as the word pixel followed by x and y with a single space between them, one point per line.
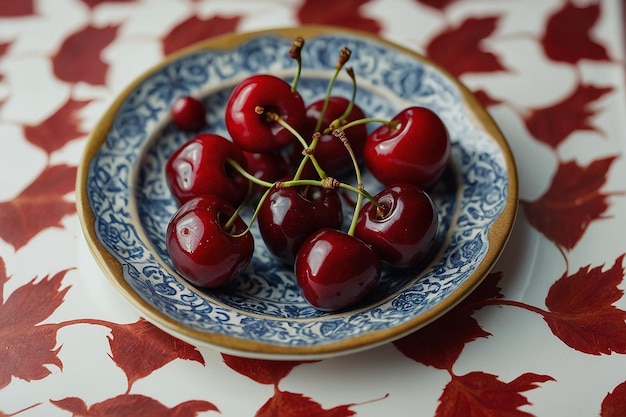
pixel 125 205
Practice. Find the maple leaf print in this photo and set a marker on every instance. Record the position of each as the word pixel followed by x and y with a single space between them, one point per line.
pixel 567 36
pixel 21 334
pixel 485 99
pixel 17 8
pixel 437 4
pixel 581 311
pixel 440 343
pixel 262 371
pixel 79 58
pixel 288 404
pixel 39 206
pixel 345 13
pixel 572 201
pixel 614 404
pixel 483 394
pixel 58 129
pixel 141 348
pixel 195 29
pixel 553 124
pixel 4 47
pixel 461 49
pixel 93 3
pixel 132 405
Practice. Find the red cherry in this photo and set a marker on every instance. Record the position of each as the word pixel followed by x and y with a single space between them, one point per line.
pixel 335 270
pixel 254 132
pixel 404 229
pixel 289 215
pixel 200 167
pixel 188 113
pixel 202 251
pixel 415 152
pixel 268 167
pixel 330 151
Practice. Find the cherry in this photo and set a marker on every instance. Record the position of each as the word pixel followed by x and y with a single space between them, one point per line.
pixel 270 96
pixel 329 151
pixel 335 270
pixel 204 249
pixel 201 166
pixel 268 167
pixel 403 229
pixel 289 215
pixel 188 113
pixel 414 148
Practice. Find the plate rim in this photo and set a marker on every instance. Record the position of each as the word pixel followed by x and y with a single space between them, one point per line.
pixel 498 235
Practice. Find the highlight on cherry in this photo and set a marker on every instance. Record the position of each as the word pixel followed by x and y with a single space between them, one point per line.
pixel 287 160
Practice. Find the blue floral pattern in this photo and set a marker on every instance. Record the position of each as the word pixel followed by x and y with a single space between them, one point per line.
pixel 132 204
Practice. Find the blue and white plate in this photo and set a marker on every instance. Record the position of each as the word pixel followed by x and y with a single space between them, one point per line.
pixel 125 205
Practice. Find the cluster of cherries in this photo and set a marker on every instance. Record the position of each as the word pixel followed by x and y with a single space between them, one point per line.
pixel 287 157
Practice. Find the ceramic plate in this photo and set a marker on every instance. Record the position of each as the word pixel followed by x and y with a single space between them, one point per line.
pixel 125 205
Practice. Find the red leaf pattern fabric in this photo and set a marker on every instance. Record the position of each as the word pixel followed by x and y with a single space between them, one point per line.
pixel 581 311
pixel 568 36
pixel 462 49
pixel 553 124
pixel 339 13
pixel 132 405
pixel 260 370
pixel 614 404
pixel 571 203
pixel 141 348
pixel 482 394
pixel 288 404
pixel 58 129
pixel 80 57
pixel 440 343
pixel 26 346
pixel 17 8
pixel 94 3
pixel 196 29
pixel 39 206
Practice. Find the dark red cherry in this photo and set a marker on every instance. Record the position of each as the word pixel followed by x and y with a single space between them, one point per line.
pixel 254 132
pixel 403 230
pixel 335 270
pixel 289 215
pixel 201 249
pixel 330 151
pixel 200 167
pixel 414 152
pixel 188 113
pixel 268 167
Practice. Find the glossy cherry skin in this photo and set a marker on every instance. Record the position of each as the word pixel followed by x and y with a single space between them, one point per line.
pixel 403 231
pixel 289 215
pixel 415 152
pixel 188 113
pixel 335 270
pixel 202 251
pixel 200 167
pixel 253 132
pixel 268 167
pixel 330 152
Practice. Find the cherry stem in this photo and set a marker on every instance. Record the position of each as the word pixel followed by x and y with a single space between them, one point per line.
pixel 339 133
pixel 308 149
pixel 231 221
pixel 338 122
pixel 344 56
pixel 295 53
pixel 246 174
pixel 391 123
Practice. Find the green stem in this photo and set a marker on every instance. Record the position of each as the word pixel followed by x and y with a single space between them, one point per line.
pixel 391 123
pixel 344 55
pixel 246 174
pixel 256 213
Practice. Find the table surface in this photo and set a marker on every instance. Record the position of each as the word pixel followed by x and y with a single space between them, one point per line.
pixel 544 335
